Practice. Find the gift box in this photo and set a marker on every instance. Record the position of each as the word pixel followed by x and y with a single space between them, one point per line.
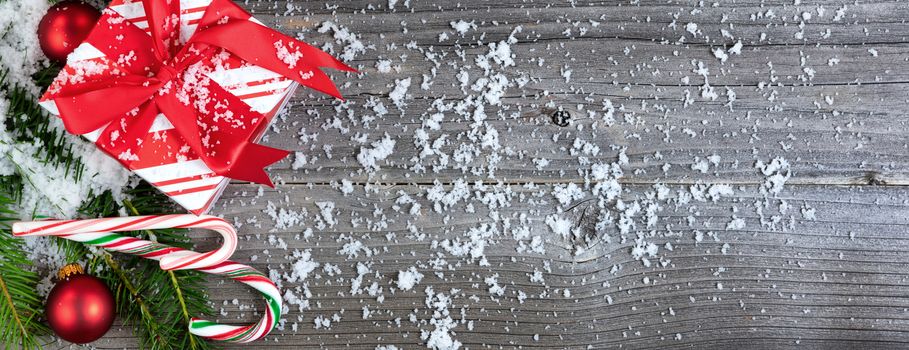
pixel 180 92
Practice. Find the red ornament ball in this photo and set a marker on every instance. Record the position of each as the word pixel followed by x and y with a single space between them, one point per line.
pixel 64 27
pixel 80 308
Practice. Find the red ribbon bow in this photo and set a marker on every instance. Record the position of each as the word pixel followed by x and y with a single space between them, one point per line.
pixel 155 74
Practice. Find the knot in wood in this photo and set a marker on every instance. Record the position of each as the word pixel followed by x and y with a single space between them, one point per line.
pixel 561 118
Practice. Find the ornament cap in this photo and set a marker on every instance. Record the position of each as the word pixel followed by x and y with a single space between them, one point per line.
pixel 69 270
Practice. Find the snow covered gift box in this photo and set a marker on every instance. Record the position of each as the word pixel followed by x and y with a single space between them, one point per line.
pixel 180 91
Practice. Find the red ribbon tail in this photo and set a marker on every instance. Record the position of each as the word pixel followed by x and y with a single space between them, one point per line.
pixel 321 58
pixel 274 51
pixel 251 162
pixel 321 82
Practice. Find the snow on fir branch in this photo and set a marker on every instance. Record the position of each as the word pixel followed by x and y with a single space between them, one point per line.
pixel 46 172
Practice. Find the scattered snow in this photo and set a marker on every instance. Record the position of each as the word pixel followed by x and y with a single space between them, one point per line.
pixel 353 47
pixel 20 55
pixel 431 168
pixel 400 92
pixel 408 279
pixel 48 190
pixel 461 26
pixel 369 157
pixel 440 337
pixel 776 174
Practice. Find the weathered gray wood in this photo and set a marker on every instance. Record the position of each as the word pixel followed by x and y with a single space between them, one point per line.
pixel 778 110
pixel 837 281
pixel 811 283
pixel 823 146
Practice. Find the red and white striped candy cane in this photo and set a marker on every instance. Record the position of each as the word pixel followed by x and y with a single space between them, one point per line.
pixel 101 232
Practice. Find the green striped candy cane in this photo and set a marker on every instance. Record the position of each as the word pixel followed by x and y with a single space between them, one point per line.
pixel 102 233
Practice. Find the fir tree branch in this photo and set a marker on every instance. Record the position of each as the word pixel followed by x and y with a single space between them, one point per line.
pixel 25 174
pixel 16 332
pixel 20 304
pixel 134 298
pixel 186 318
pixel 194 343
pixel 29 122
pixel 144 292
pixel 146 301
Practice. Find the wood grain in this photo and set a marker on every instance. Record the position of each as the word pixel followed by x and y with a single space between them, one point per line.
pixel 843 126
pixel 838 280
pixel 865 141
pixel 829 274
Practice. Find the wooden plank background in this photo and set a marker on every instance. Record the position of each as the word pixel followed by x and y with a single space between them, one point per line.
pixel 830 273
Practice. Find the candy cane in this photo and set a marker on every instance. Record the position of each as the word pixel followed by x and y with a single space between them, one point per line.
pixel 100 232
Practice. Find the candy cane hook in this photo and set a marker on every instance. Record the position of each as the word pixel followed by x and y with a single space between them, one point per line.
pixel 100 232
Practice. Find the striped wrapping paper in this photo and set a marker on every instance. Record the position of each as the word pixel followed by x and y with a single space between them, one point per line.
pixel 164 160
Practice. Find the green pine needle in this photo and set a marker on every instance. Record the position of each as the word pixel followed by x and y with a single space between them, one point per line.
pixel 29 122
pixel 20 304
pixel 144 293
pixel 157 303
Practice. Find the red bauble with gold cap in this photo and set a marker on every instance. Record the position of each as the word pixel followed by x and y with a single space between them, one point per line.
pixel 64 27
pixel 80 308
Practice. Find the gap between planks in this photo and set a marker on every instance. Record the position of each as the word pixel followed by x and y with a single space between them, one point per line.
pixel 872 179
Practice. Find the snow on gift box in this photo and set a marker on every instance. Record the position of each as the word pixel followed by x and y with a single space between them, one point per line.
pixel 182 103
